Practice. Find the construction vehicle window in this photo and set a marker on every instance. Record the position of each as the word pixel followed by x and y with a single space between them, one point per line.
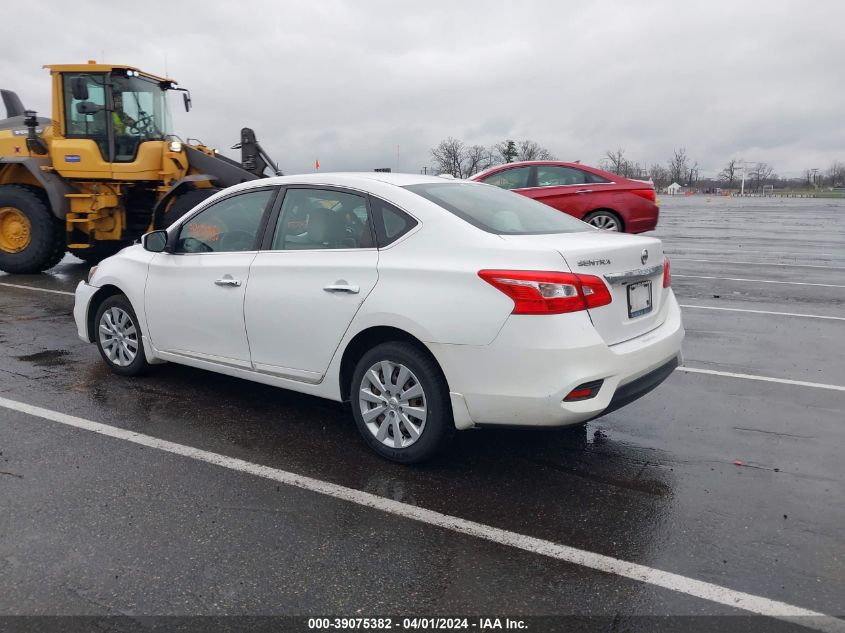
pixel 87 119
pixel 228 226
pixel 322 219
pixel 139 113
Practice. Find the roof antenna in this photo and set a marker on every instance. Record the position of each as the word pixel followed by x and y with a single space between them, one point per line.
pixel 166 72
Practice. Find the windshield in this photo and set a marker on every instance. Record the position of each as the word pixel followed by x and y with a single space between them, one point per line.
pixel 145 103
pixel 498 211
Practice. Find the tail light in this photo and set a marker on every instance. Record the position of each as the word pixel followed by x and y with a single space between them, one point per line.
pixel 540 292
pixel 667 274
pixel 648 194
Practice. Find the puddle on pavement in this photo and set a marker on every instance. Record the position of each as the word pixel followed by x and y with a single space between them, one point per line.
pixel 47 358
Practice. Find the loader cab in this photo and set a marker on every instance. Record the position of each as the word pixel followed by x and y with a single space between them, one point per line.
pixel 113 123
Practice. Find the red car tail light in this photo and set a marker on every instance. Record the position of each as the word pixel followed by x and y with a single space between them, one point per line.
pixel 541 292
pixel 648 194
pixel 667 274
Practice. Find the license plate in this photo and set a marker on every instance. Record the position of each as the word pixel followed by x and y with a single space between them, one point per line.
pixel 639 299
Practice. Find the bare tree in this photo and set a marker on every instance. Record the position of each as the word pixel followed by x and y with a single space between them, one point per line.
pixel 451 156
pixel 836 174
pixel 760 174
pixel 615 162
pixel 807 176
pixel 448 156
pixel 659 176
pixel 728 174
pixel 692 174
pixel 531 150
pixel 678 165
pixel 476 158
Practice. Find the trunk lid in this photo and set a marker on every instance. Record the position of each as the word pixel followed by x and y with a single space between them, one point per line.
pixel 617 259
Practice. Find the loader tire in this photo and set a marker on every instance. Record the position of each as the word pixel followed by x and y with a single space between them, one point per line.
pixel 32 239
pixel 182 204
pixel 98 252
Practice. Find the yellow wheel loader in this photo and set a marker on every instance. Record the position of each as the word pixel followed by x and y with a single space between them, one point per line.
pixel 105 168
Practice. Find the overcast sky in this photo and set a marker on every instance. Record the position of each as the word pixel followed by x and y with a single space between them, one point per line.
pixel 346 82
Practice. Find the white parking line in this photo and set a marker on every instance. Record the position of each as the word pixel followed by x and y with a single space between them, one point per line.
pixel 599 562
pixel 55 292
pixel 790 314
pixel 783 381
pixel 759 281
pixel 724 261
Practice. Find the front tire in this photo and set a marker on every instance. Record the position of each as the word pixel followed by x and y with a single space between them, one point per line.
pixel 118 337
pixel 401 404
pixel 32 239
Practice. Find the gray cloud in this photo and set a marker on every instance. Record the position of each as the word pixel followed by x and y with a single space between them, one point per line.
pixel 346 82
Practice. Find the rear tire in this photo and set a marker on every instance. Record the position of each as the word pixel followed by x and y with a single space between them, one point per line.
pixel 184 202
pixel 32 239
pixel 605 219
pixel 398 391
pixel 118 337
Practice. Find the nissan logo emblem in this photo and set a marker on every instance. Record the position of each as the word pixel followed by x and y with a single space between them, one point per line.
pixel 644 256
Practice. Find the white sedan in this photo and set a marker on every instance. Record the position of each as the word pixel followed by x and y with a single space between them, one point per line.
pixel 431 304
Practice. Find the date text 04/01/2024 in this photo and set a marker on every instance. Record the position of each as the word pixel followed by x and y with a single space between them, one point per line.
pixel 417 623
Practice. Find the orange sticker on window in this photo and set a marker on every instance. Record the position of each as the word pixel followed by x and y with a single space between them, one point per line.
pixel 207 232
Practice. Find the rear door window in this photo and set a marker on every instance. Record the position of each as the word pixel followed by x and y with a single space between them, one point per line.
pixel 323 219
pixel 556 176
pixel 391 222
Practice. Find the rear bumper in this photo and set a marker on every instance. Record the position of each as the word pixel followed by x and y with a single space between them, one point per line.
pixel 637 388
pixel 522 378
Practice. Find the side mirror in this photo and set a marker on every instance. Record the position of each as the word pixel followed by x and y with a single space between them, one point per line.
pixel 87 107
pixel 79 88
pixel 155 241
pixel 186 99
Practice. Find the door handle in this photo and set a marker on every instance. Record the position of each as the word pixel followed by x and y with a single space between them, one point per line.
pixel 342 287
pixel 584 191
pixel 227 281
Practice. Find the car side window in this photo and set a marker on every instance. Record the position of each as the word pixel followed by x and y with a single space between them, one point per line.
pixel 555 176
pixel 595 178
pixel 515 178
pixel 323 219
pixel 391 222
pixel 227 226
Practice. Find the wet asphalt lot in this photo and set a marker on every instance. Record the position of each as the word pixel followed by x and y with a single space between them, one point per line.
pixel 93 525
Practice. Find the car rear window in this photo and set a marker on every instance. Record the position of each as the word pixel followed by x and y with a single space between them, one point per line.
pixel 497 211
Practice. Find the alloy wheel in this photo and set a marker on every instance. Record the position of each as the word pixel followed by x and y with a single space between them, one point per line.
pixel 118 336
pixel 393 404
pixel 604 221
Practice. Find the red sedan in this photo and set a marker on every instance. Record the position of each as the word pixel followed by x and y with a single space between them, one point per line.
pixel 597 197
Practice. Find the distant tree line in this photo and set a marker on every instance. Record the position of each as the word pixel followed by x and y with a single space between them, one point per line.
pixel 685 171
pixel 461 160
pixel 453 156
